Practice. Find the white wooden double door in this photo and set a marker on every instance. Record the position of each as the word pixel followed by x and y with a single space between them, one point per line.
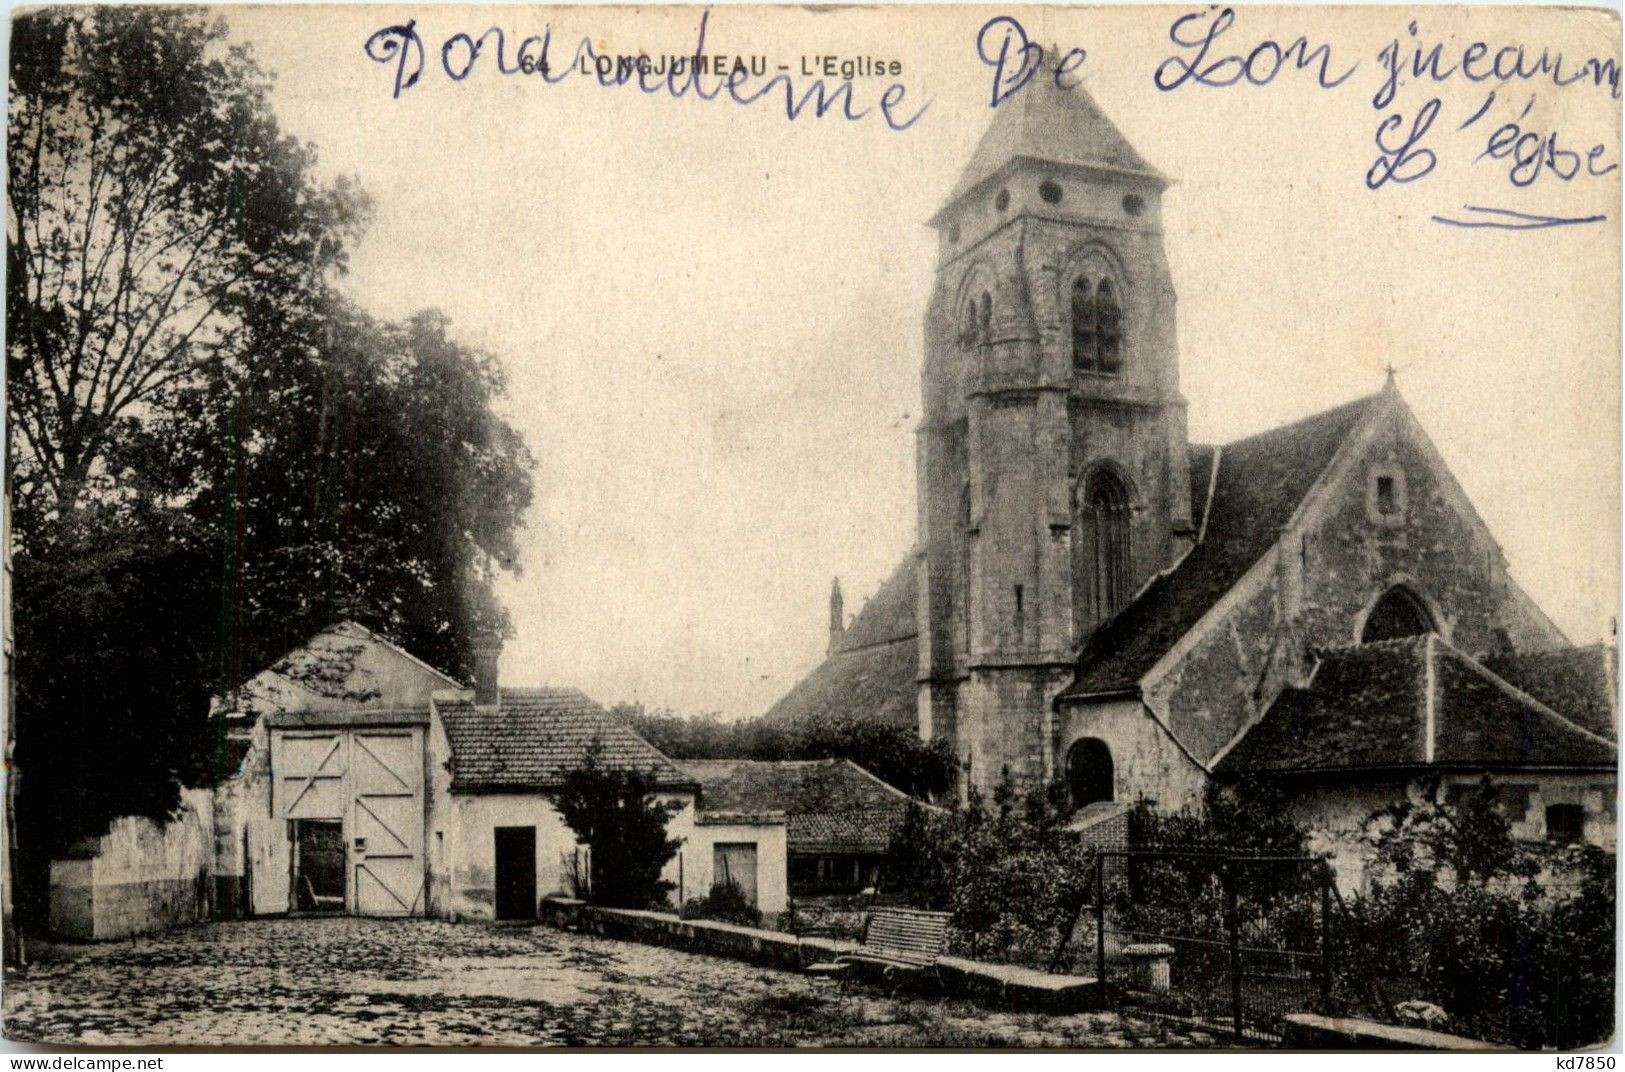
pixel 370 781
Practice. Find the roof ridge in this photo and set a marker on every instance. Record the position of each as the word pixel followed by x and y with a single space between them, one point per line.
pixel 1523 697
pixel 1390 644
pixel 875 778
pixel 1306 419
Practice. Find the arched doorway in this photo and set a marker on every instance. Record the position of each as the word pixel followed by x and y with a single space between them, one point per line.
pixel 1089 772
pixel 1399 613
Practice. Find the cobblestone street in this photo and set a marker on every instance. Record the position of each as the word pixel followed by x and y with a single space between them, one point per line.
pixel 425 983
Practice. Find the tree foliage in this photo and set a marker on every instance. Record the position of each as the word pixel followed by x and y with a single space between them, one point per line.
pixel 150 194
pixel 617 814
pixel 1014 878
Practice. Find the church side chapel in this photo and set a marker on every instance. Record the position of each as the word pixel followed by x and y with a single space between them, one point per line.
pixel 1095 600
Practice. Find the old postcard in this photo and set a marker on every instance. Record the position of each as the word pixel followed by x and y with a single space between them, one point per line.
pixel 900 527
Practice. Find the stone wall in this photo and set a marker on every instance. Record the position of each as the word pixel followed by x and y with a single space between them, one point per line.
pixel 1000 986
pixel 140 876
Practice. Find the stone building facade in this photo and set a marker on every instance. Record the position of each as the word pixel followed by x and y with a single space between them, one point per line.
pixel 1096 601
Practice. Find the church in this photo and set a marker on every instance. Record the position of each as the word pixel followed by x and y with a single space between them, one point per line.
pixel 1093 599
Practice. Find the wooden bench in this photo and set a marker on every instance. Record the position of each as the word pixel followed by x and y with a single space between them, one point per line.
pixel 898 941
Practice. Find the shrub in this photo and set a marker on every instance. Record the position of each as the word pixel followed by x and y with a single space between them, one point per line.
pixel 1513 940
pixel 726 902
pixel 616 813
pixel 1013 877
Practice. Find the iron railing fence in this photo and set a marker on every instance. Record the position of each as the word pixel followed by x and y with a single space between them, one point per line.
pixel 1235 943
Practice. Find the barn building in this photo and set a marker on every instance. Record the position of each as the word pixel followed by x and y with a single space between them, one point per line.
pixel 371 783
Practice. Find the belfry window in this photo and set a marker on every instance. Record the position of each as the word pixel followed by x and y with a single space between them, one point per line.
pixel 1106 506
pixel 976 328
pixel 1097 327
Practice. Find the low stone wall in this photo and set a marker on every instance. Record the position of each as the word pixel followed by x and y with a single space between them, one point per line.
pixel 1306 1031
pixel 1000 985
pixel 140 876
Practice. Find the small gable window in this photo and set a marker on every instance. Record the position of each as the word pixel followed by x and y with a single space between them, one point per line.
pixel 1097 327
pixel 1385 495
pixel 1565 823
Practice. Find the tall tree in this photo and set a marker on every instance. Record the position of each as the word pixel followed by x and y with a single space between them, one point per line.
pixel 149 191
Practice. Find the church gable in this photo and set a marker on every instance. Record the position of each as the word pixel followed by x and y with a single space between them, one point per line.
pixel 1343 528
pixel 1396 520
pixel 1258 485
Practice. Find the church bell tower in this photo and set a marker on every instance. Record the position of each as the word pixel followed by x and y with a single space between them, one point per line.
pixel 1054 475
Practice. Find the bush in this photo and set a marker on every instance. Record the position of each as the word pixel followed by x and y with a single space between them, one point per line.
pixel 1514 941
pixel 615 812
pixel 726 903
pixel 1014 878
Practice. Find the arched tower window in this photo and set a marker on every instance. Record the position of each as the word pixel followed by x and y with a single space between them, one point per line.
pixel 1105 565
pixel 1399 613
pixel 1089 772
pixel 1097 327
pixel 984 326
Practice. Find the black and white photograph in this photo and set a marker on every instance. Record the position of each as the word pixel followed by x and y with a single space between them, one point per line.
pixel 754 527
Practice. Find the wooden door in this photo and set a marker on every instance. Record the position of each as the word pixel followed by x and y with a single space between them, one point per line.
pixel 515 872
pixel 386 778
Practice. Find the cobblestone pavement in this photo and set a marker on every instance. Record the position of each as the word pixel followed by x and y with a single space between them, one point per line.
pixel 427 983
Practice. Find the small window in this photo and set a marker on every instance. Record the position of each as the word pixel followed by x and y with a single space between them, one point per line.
pixel 985 319
pixel 1385 495
pixel 1565 823
pixel 1133 204
pixel 1050 192
pixel 1002 201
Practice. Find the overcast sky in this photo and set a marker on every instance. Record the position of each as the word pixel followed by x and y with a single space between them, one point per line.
pixel 712 316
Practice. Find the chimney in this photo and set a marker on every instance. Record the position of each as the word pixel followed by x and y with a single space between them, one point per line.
pixel 837 617
pixel 487 653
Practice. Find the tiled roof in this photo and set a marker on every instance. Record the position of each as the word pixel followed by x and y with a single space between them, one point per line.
pixel 871 677
pixel 1261 482
pixel 831 805
pixel 1044 122
pixel 1576 682
pixel 535 736
pixel 1386 706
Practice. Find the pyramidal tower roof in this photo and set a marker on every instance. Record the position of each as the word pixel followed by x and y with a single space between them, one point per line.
pixel 1041 121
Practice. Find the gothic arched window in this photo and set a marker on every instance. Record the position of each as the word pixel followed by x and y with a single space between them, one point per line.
pixel 1105 544
pixel 1399 613
pixel 1089 772
pixel 1097 327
